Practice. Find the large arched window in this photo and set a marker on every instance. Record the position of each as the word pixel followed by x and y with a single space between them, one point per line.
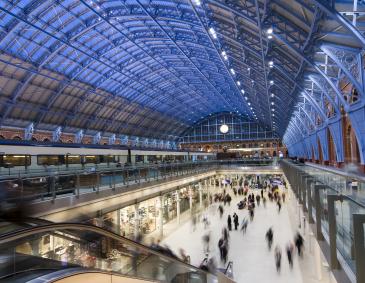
pixel 226 127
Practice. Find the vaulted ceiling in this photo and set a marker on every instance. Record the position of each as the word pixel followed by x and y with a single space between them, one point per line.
pixel 153 68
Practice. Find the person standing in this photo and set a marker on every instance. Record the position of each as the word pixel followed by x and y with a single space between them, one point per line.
pixel 229 222
pixel 235 220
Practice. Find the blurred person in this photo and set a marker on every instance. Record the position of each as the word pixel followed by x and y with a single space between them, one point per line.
pixel 220 209
pixel 229 222
pixel 244 225
pixel 299 243
pixel 264 201
pixel 184 257
pixel 251 210
pixel 289 253
pixel 278 203
pixel 269 237
pixel 277 254
pixel 235 221
pixel 206 240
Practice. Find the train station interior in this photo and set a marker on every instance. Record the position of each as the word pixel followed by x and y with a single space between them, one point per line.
pixel 182 141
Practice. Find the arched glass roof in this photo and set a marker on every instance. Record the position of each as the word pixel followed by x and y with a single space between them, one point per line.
pixel 154 68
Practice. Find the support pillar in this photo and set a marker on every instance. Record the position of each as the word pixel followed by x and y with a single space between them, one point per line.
pixel 117 227
pixel 358 223
pixel 317 204
pixel 190 198
pixel 200 195
pixel 178 207
pixel 136 220
pixel 332 229
pixel 160 217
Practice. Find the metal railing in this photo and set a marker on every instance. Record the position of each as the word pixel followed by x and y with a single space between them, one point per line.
pixel 52 184
pixel 338 213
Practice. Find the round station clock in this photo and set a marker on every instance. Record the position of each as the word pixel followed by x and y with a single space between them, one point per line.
pixel 224 129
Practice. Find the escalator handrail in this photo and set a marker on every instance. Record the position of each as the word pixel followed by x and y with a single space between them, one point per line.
pixel 19 234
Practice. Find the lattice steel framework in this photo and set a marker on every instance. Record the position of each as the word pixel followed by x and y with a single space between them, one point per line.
pixel 154 68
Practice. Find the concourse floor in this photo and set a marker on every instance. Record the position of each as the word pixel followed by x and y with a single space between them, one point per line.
pixel 252 261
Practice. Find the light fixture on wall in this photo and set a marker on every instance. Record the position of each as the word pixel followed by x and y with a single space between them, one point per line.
pixel 224 129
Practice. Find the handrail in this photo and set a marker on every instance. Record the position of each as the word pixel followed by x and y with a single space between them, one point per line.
pixel 19 234
pixel 230 264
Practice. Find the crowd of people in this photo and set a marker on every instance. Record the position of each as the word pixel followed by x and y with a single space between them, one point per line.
pixel 251 195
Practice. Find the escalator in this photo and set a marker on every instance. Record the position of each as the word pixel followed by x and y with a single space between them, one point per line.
pixel 52 251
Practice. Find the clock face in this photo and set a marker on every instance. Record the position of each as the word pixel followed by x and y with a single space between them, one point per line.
pixel 224 129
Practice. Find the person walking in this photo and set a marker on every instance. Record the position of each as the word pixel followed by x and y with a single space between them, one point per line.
pixel 299 242
pixel 277 254
pixel 220 209
pixel 235 220
pixel 279 205
pixel 244 225
pixel 269 237
pixel 252 211
pixel 289 253
pixel 229 222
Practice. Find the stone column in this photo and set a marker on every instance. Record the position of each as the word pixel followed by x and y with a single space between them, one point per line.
pixel 117 226
pixel 200 195
pixel 190 197
pixel 178 207
pixel 160 216
pixel 136 220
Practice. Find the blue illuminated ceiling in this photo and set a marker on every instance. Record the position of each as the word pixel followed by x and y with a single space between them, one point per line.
pixel 154 68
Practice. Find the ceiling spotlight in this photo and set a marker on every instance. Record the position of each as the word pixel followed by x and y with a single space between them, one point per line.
pixel 197 2
pixel 272 103
pixel 269 36
pixel 243 91
pixel 272 95
pixel 213 33
pixel 224 54
pixel 272 109
pixel 271 64
pixel 249 103
pixel 273 114
pixel 248 69
pixel 271 82
pixel 238 83
pixel 246 97
pixel 251 108
pixel 269 31
pixel 232 71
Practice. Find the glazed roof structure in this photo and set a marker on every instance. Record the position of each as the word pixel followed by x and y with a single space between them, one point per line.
pixel 154 68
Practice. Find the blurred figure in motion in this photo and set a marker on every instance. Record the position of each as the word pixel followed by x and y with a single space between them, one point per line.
pixel 184 257
pixel 299 242
pixel 206 240
pixel 229 222
pixel 193 222
pixel 244 225
pixel 279 205
pixel 205 221
pixel 235 221
pixel 264 201
pixel 277 255
pixel 269 237
pixel 12 206
pixel 220 208
pixel 212 266
pixel 289 253
pixel 251 209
